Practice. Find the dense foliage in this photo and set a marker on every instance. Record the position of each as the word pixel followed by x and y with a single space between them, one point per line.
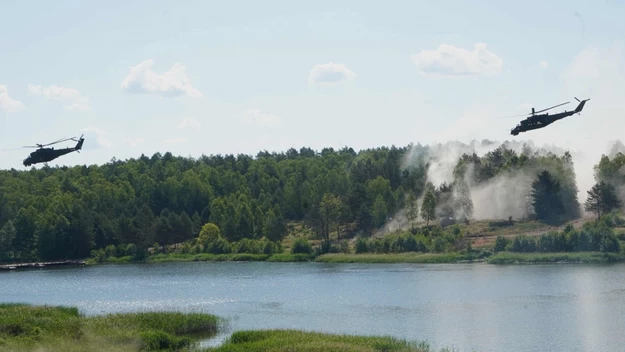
pixel 593 236
pixel 124 208
pixel 54 213
pixel 424 240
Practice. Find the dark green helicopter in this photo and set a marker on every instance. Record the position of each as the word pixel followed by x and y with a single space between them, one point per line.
pixel 43 155
pixel 542 120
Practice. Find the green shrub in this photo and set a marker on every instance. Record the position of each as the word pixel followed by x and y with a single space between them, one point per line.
pixel 301 245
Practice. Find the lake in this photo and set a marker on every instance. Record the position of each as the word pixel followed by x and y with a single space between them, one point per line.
pixel 470 307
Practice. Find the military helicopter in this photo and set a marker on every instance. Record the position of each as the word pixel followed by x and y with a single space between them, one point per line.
pixel 43 155
pixel 542 120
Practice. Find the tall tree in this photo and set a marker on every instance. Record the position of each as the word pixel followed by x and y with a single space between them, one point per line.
pixel 428 207
pixel 330 209
pixel 379 211
pixel 274 227
pixel 412 211
pixel 602 199
pixel 548 205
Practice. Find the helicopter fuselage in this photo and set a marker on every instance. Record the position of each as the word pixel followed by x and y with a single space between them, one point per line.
pixel 539 121
pixel 43 155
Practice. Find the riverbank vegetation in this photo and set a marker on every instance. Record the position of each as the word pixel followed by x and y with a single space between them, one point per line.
pixel 49 328
pixel 298 205
pixel 303 341
pixel 594 241
pixel 26 327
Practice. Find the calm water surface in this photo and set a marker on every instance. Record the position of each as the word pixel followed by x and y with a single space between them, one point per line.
pixel 473 307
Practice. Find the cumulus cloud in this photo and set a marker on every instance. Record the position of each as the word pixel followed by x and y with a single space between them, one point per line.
pixel 71 98
pixel 190 123
pixel 7 103
pixel 447 60
pixel 175 82
pixel 99 135
pixel 257 117
pixel 543 64
pixel 330 73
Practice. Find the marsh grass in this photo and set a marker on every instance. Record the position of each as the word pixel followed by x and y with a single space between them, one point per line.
pixel 48 328
pixel 565 257
pixel 206 257
pixel 301 341
pixel 289 257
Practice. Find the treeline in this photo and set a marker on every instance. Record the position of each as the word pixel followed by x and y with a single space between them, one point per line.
pixel 66 212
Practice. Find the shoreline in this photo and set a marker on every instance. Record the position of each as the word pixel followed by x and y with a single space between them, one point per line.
pixel 501 258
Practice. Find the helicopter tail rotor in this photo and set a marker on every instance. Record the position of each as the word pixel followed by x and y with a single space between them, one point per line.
pixel 579 107
pixel 79 144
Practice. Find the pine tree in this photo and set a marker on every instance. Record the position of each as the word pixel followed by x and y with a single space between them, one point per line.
pixel 547 203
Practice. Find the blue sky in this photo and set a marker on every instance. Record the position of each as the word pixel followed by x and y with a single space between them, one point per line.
pixel 209 77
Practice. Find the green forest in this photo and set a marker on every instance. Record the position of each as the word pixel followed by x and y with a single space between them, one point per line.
pixel 51 213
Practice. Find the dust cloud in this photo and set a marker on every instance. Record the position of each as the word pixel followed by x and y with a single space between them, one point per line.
pixel 507 194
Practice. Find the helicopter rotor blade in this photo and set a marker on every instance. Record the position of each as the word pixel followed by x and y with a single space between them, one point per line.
pixel 555 106
pixel 59 141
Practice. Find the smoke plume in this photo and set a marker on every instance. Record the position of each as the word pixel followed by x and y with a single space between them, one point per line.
pixel 506 194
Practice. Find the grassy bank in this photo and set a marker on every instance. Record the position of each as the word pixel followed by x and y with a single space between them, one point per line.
pixel 206 257
pixel 565 257
pixel 47 328
pixel 409 257
pixel 392 258
pixel 293 340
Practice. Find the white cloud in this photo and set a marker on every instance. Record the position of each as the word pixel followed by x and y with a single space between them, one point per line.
pixel 448 60
pixel 190 123
pixel 175 141
pixel 255 116
pixel 99 135
pixel 135 141
pixel 543 64
pixel 175 82
pixel 72 98
pixel 330 73
pixel 7 103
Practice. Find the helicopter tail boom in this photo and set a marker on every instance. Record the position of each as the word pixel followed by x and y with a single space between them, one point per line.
pixel 78 146
pixel 579 107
